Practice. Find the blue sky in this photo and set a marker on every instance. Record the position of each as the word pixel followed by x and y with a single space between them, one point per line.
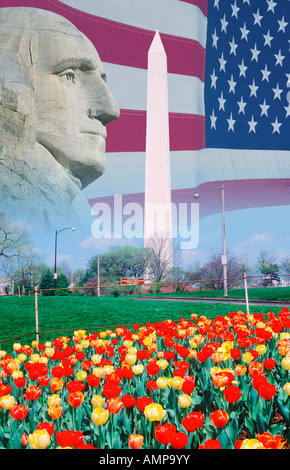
pixel 247 232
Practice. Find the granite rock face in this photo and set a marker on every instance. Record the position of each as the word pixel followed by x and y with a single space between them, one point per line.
pixel 54 107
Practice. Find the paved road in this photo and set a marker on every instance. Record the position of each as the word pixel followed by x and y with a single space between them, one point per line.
pixel 220 301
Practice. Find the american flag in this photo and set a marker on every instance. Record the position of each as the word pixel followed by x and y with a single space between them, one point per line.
pixel 228 79
pixel 248 74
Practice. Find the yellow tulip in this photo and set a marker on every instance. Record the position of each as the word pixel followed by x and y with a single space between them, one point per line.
pixel 192 354
pixel 163 364
pixel 43 360
pixel 96 359
pixel 261 349
pixel 285 363
pixel 79 334
pixel 108 370
pixel 98 372
pixel 252 444
pixel 99 416
pixel 162 382
pixel 16 346
pixel 131 358
pixel 85 343
pixel 132 350
pixel 22 357
pixel 34 358
pixel 137 369
pixel 49 352
pixel 286 388
pixel 40 439
pixel 176 382
pixel 154 412
pixel 284 335
pixel 16 374
pixel 247 357
pixel 53 399
pixel 7 401
pixel 35 344
pixel 184 401
pixel 98 401
pixel 81 375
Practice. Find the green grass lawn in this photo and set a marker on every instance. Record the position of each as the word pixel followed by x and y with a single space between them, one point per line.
pixel 262 293
pixel 59 316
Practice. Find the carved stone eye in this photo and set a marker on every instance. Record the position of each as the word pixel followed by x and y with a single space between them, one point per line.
pixel 70 76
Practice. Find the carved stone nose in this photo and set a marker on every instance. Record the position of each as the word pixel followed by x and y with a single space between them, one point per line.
pixel 103 115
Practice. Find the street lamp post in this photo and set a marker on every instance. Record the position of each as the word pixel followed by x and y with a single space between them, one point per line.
pixel 55 254
pixel 224 253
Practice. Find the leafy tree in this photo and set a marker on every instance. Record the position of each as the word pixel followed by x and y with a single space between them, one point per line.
pixel 47 282
pixel 62 283
pixel 119 262
pixel 267 265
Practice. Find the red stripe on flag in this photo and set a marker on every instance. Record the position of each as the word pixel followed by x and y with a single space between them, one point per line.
pixel 128 133
pixel 122 44
pixel 202 4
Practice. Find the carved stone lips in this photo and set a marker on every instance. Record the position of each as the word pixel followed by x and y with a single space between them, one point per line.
pixel 101 133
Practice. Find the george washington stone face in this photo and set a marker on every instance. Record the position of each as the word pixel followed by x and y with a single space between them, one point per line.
pixel 54 108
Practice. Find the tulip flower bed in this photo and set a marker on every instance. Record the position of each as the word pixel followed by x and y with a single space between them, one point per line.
pixel 192 384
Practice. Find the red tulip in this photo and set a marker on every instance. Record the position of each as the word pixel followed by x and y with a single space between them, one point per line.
pixel 232 393
pixel 75 399
pixel 69 438
pixel 93 381
pixel 211 444
pixel 128 401
pixel 32 392
pixel 219 418
pixel 193 421
pixel 142 402
pixel 48 426
pixel 179 440
pixel 164 433
pixel 267 390
pixel 18 411
pixel 75 386
pixel 20 382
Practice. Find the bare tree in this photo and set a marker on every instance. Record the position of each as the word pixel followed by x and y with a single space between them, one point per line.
pixel 160 259
pixel 285 267
pixel 211 273
pixel 14 239
pixel 22 269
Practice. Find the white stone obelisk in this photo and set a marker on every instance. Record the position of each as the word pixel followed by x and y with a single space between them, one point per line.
pixel 157 207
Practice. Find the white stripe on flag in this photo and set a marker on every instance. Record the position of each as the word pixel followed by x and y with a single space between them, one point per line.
pixel 125 171
pixel 129 87
pixel 168 16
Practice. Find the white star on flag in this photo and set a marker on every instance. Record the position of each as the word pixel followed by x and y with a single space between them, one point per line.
pixel 276 126
pixel 252 125
pixel 277 92
pixel 264 108
pixel 242 105
pixel 231 123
